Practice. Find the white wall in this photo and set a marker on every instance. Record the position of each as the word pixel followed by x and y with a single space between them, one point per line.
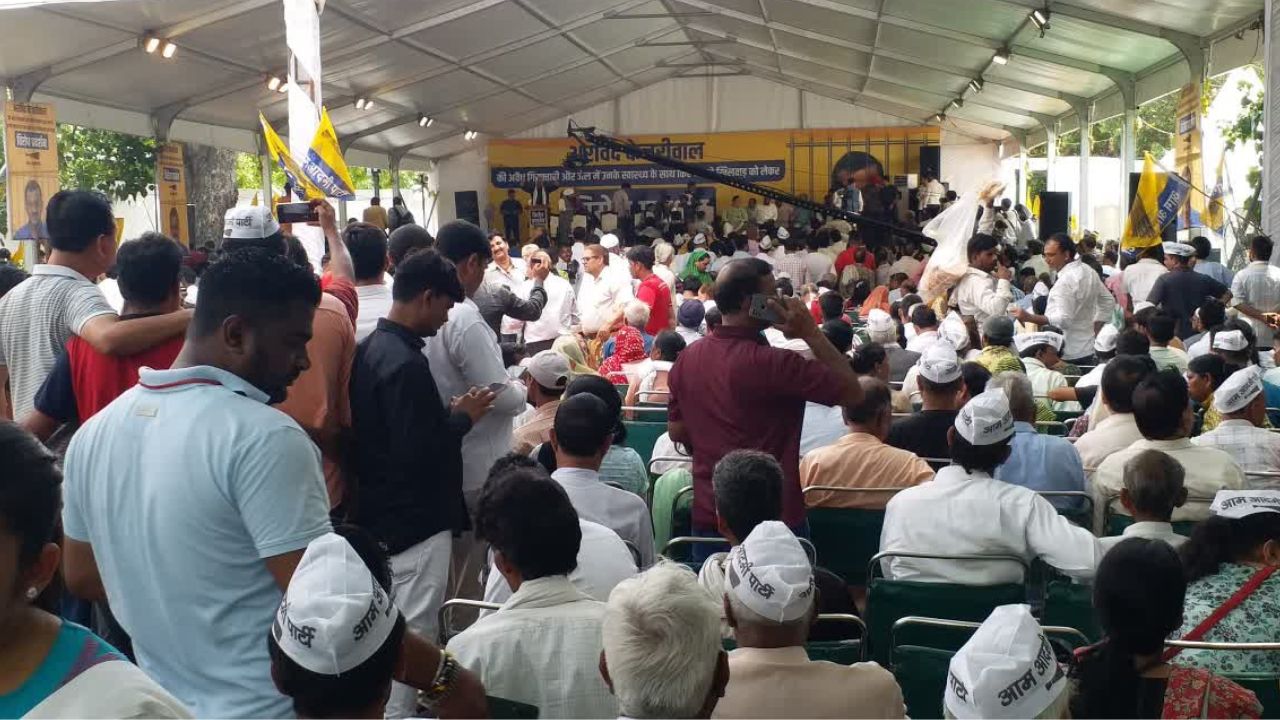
pixel 468 170
pixel 968 164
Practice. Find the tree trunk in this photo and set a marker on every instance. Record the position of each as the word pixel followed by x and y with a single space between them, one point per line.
pixel 211 188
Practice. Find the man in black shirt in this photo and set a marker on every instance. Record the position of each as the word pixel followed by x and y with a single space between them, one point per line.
pixel 407 460
pixel 511 209
pixel 1181 290
pixel 942 389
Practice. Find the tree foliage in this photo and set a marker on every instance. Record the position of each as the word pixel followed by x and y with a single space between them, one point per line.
pixel 119 165
pixel 1154 132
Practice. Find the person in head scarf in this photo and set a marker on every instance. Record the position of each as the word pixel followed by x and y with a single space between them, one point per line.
pixel 696 267
pixel 628 348
pixel 567 345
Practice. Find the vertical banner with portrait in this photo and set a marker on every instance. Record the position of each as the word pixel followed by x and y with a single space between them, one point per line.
pixel 31 150
pixel 171 188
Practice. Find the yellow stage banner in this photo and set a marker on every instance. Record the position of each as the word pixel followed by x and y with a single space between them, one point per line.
pixel 809 162
pixel 171 187
pixel 31 150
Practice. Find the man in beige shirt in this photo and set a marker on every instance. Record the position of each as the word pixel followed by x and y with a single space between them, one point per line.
pixel 1118 430
pixel 547 375
pixel 375 214
pixel 861 459
pixel 769 600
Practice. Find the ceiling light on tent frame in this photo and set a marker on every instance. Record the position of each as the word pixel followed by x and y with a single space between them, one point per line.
pixel 976 85
pixel 470 135
pixel 364 104
pixel 955 104
pixel 284 87
pixel 938 118
pixel 273 83
pixel 1040 18
pixel 424 121
pixel 168 50
pixel 1001 57
pixel 150 44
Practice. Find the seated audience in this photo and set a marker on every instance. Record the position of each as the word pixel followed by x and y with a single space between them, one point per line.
pixel 925 322
pixel 582 435
pixel 883 331
pixel 1235 341
pixel 1153 487
pixel 1162 410
pixel 570 347
pixel 997 346
pixel 317 661
pixel 56 668
pixel 1039 351
pixel 547 376
pixel 769 599
pixel 1008 650
pixel 1119 429
pixel 976 378
pixel 1036 461
pixel 689 318
pixel 662 655
pixel 542 646
pixel 966 511
pixel 1239 543
pixel 651 386
pixel 603 559
pixel 622 466
pixel 1138 598
pixel 942 389
pixel 630 344
pixel 1205 374
pixel 861 459
pixel 823 425
pixel 1243 407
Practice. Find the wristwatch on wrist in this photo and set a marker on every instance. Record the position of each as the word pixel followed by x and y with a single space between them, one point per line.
pixel 442 684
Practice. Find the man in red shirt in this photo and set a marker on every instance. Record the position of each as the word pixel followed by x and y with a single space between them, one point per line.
pixel 652 291
pixel 850 256
pixel 732 391
pixel 83 380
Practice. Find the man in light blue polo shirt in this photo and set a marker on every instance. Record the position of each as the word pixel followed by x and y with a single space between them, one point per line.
pixel 190 500
pixel 1036 461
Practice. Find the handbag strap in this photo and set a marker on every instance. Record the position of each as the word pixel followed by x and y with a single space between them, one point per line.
pixel 1232 603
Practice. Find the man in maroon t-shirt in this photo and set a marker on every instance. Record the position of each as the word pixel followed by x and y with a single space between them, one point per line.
pixel 652 291
pixel 732 391
pixel 83 380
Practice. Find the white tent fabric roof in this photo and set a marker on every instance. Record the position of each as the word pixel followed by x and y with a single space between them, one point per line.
pixel 502 67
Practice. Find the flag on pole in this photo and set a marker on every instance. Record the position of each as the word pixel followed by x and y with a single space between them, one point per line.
pixel 1159 198
pixel 279 152
pixel 323 173
pixel 1215 216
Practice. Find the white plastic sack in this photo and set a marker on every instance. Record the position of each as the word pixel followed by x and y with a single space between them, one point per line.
pixel 951 229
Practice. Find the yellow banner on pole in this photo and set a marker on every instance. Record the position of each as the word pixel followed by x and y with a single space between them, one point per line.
pixel 171 187
pixel 1188 160
pixel 31 151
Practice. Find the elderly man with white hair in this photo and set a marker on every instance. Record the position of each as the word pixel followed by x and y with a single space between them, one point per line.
pixel 883 331
pixel 769 600
pixel 662 655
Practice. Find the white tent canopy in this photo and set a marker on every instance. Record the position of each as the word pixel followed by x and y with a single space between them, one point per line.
pixel 501 67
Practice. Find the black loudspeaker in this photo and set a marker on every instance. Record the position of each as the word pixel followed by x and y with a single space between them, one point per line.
pixel 1170 232
pixel 1054 208
pixel 931 160
pixel 466 206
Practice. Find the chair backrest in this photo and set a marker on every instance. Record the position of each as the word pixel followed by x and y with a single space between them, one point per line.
pixel 1074 505
pixel 641 436
pixel 673 549
pixel 672 505
pixel 1051 427
pixel 890 600
pixel 646 413
pixel 1069 604
pixel 1116 522
pixel 447 609
pixel 843 652
pixel 847 537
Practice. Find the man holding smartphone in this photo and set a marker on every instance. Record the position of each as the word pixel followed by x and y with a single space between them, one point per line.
pixel 743 394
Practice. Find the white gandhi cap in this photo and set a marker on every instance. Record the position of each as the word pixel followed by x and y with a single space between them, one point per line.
pixel 249 223
pixel 1030 340
pixel 1230 340
pixel 986 419
pixel 939 363
pixel 879 321
pixel 1107 337
pixel 1238 390
pixel 334 615
pixel 1236 504
pixel 609 241
pixel 770 573
pixel 1006 670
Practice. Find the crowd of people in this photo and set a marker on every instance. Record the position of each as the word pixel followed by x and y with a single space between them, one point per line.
pixel 249 489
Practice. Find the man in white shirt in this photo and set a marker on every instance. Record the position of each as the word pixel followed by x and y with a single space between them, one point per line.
pixel 966 511
pixel 980 293
pixel 370 262
pixel 559 315
pixel 1119 429
pixel 1153 488
pixel 1078 301
pixel 817 264
pixel 1141 276
pixel 930 192
pixel 603 294
pixel 1040 353
pixel 925 321
pixel 1162 409
pixel 542 647
pixel 581 437
pixel 1242 404
pixel 1256 289
pixel 767 212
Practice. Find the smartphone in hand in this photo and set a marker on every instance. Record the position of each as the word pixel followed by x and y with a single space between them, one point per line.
pixel 297 212
pixel 761 310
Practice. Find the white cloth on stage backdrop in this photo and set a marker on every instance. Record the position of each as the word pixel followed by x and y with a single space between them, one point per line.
pixel 951 229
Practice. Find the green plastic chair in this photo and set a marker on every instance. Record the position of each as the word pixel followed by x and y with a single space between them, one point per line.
pixel 921 670
pixel 847 537
pixel 841 652
pixel 646 413
pixel 680 549
pixel 503 708
pixel 1116 522
pixel 1067 604
pixel 1265 685
pixel 1083 515
pixel 641 437
pixel 890 600
pixel 672 506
